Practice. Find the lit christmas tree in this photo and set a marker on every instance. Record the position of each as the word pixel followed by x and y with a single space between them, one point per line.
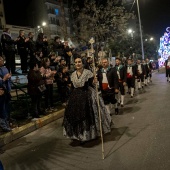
pixel 164 49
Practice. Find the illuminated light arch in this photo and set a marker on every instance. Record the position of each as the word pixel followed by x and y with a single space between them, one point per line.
pixel 164 49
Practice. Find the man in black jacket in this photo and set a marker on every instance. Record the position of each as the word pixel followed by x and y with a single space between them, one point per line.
pixel 31 46
pixel 148 68
pixel 23 50
pixel 8 48
pixel 141 73
pixel 131 75
pixel 108 83
pixel 121 72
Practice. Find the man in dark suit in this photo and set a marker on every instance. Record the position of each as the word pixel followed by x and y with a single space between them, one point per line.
pixel 108 83
pixel 22 50
pixel 121 72
pixel 141 73
pixel 8 48
pixel 131 75
pixel 148 68
pixel 31 46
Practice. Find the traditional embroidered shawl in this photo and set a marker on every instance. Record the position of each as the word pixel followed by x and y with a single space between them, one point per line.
pixel 79 82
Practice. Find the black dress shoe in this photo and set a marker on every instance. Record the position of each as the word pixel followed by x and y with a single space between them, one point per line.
pixel 116 111
pixel 122 105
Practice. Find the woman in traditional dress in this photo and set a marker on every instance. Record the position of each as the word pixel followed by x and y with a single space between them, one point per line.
pixel 81 119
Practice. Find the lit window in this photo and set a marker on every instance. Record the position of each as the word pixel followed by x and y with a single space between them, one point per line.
pixel 56 12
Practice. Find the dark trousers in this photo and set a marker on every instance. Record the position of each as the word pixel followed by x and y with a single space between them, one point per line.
pixel 140 77
pixel 49 95
pixel 10 61
pixel 32 57
pixel 4 107
pixel 121 88
pixel 109 96
pixel 131 82
pixel 167 72
pixel 148 74
pixel 36 104
pixel 24 57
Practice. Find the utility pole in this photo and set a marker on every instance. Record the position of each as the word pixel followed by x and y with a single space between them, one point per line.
pixel 63 20
pixel 140 27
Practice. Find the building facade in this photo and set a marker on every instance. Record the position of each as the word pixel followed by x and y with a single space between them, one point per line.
pixel 58 18
pixel 55 13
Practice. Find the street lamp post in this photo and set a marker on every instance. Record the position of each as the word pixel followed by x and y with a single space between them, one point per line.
pixel 140 27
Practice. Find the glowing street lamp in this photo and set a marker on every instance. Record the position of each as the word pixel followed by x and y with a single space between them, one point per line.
pixel 151 39
pixel 131 32
pixel 44 24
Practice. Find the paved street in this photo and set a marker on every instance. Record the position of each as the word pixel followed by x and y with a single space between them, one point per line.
pixel 140 139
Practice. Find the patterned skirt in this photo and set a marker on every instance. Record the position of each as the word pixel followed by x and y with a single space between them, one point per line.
pixel 81 118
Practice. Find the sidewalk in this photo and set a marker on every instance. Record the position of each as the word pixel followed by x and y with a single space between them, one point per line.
pixel 35 124
pixel 20 104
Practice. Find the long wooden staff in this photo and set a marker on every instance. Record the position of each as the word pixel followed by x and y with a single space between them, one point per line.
pixel 97 96
pixel 110 56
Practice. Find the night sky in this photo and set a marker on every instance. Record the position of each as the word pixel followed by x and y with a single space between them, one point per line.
pixel 155 14
pixel 16 12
